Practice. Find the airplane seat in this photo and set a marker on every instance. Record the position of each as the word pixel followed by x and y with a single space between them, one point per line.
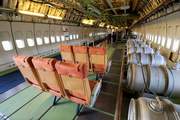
pixel 81 55
pixel 98 59
pixel 28 71
pixel 67 53
pixel 75 81
pixel 153 45
pixel 45 68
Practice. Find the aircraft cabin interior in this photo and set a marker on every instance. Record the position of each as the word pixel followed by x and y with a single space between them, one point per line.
pixel 89 59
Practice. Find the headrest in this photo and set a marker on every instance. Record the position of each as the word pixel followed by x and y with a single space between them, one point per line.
pixel 76 70
pixel 65 48
pixel 47 64
pixel 97 50
pixel 80 49
pixel 24 61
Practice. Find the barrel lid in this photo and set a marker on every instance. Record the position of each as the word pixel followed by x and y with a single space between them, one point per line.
pixel 132 110
pixel 154 106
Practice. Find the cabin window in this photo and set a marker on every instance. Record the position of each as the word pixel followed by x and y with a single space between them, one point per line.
pixel 70 37
pixel 62 38
pixel 159 38
pixel 77 36
pixel 46 39
pixel 39 41
pixel 146 34
pixel 52 37
pixel 6 43
pixel 90 34
pixel 74 37
pixel 57 36
pixel 169 39
pixel 176 40
pixel 19 39
pixel 30 42
pixel 20 43
pixel 39 38
pixel 30 39
pixel 163 36
pixel 152 37
pixel 155 35
pixel 155 38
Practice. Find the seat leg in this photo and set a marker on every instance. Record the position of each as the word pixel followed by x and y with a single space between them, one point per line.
pixel 79 106
pixel 55 101
pixel 98 76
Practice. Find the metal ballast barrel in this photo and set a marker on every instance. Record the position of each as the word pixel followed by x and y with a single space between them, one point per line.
pixel 151 59
pixel 162 80
pixel 148 109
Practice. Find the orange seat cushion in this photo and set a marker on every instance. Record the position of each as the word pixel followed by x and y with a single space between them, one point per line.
pixel 65 48
pixel 99 69
pixel 77 70
pixel 96 50
pixel 80 49
pixel 25 61
pixel 44 63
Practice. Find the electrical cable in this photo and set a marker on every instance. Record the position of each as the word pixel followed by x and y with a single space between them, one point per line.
pixel 157 98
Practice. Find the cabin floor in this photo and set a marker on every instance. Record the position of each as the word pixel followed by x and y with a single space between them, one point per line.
pixel 24 102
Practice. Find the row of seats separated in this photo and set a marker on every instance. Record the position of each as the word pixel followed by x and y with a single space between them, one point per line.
pixel 96 61
pixel 64 80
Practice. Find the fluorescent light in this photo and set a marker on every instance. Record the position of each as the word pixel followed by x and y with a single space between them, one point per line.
pixel 31 13
pixel 54 17
pixel 124 7
pixel 90 23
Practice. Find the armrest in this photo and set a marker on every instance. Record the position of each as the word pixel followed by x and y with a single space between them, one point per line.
pixel 95 92
pixel 108 66
pixel 96 87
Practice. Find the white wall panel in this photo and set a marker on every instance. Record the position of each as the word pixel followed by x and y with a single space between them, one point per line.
pixel 57 35
pixel 161 27
pixel 65 42
pixel 6 56
pixel 42 28
pixel 27 31
pixel 172 21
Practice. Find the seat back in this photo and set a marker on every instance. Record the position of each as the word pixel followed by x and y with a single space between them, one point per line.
pixel 76 83
pixel 81 55
pixel 28 71
pixel 98 59
pixel 67 53
pixel 45 68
